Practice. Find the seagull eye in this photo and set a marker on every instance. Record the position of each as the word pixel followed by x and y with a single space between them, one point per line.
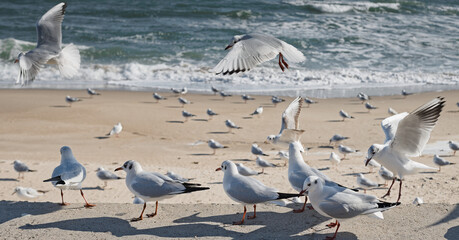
pixel 309 184
pixel 315 182
pixel 130 167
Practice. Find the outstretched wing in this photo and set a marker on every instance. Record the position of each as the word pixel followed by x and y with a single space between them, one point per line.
pixel 291 114
pixel 390 124
pixel 49 27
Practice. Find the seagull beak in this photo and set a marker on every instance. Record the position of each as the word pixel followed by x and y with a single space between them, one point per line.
pixel 368 160
pixel 266 142
pixel 16 61
pixel 302 192
pixel 13 193
pixel 218 169
pixel 228 47
pixel 120 168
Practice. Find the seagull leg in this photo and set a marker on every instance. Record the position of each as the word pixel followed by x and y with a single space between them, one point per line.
pixel 280 63
pixel 254 212
pixel 243 217
pixel 332 224
pixel 87 205
pixel 304 205
pixel 62 197
pixel 156 211
pixel 400 191
pixel 214 152
pixel 334 236
pixel 105 185
pixel 285 63
pixel 388 191
pixel 141 214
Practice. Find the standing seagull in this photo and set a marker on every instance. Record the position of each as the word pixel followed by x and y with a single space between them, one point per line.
pixel 71 100
pixel 152 186
pixel 92 92
pixel 284 155
pixel 337 138
pixel 257 111
pixel 341 203
pixel 363 97
pixel 256 150
pixel 344 114
pixel 21 167
pixel 215 145
pixel 158 97
pixel 369 106
pixel 187 115
pixel 116 130
pixel 105 176
pixel 214 90
pixel 263 164
pixel 386 175
pixel 346 150
pixel 290 125
pixel 309 101
pixel 334 159
pixel 183 101
pixel 49 49
pixel 406 135
pixel 405 93
pixel 440 162
pixel 249 50
pixel 68 175
pixel 247 190
pixel 246 98
pixel 366 183
pixel 27 193
pixel 245 171
pixel 211 113
pixel 275 100
pixel 231 125
pixel 392 111
pixel 453 146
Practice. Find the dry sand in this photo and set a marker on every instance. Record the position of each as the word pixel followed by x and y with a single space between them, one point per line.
pixel 36 123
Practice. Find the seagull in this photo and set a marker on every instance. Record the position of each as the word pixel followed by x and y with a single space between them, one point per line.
pixel 290 125
pixel 105 176
pixel 406 135
pixel 263 164
pixel 363 97
pixel 392 111
pixel 334 159
pixel 187 115
pixel 158 97
pixel 246 98
pixel 177 177
pixel 453 146
pixel 346 150
pixel 224 94
pixel 116 130
pixel 256 150
pixel 211 113
pixel 49 49
pixel 386 175
pixel 68 175
pixel 372 164
pixel 366 183
pixel 344 114
pixel 176 91
pixel 369 106
pixel 215 145
pixel 214 90
pixel 440 162
pixel 184 91
pixel 247 190
pixel 342 203
pixel 21 167
pixel 27 193
pixel 418 201
pixel 457 104
pixel 138 200
pixel 257 111
pixel 337 138
pixel 405 93
pixel 245 171
pixel 152 186
pixel 275 100
pixel 231 125
pixel 284 155
pixel 92 92
pixel 249 50
pixel 71 100
pixel 183 101
pixel 309 101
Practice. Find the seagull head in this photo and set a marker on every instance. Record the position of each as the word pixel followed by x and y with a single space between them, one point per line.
pixel 66 153
pixel 130 166
pixel 371 152
pixel 270 138
pixel 19 57
pixel 227 166
pixel 17 189
pixel 235 39
pixel 100 169
pixel 310 184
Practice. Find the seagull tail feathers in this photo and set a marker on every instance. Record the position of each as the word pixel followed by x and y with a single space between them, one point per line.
pixel 56 179
pixel 30 170
pixel 69 61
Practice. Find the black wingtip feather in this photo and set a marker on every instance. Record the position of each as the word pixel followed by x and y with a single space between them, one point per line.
pixel 194 189
pixel 387 204
pixel 288 195
pixel 54 179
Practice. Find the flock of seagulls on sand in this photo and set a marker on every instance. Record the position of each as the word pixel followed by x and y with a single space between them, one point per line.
pixel 406 136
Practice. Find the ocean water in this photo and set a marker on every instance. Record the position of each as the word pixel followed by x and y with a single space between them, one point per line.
pixel 375 46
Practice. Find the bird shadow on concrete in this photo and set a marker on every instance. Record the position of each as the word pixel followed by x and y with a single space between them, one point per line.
pixel 335 121
pixel 361 112
pixel 238 102
pixel 326 146
pixel 454 214
pixel 93 188
pixel 11 210
pixel 452 233
pixel 102 137
pixel 429 172
pixel 242 160
pixel 174 107
pixel 200 120
pixel 247 117
pixel 379 119
pixel 175 121
pixel 201 154
pixel 60 106
pixel 150 102
pixel 218 132
pixel 217 99
pixel 9 180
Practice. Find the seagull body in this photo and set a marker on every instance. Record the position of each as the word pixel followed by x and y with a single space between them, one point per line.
pixel 21 167
pixel 365 183
pixel 187 115
pixel 337 138
pixel 257 111
pixel 246 98
pixel 386 174
pixel 176 91
pixel 418 201
pixel 249 50
pixel 215 145
pixel 372 164
pixel 405 93
pixel 457 104
pixel 440 162
pixel 214 90
pixel 211 113
pixel 275 100
pixel 224 94
pixel 453 146
pixel 363 97
pixel 105 175
pixel 346 150
pixel 27 193
pixel 284 155
pixel 245 171
pixel 158 97
pixel 290 125
pixel 92 92
pixel 116 130
pixel 183 101
pixel 152 186
pixel 392 111
pixel 68 175
pixel 184 91
pixel 263 164
pixel 71 100
pixel 334 158
pixel 177 177
pixel 369 106
pixel 49 48
pixel 247 190
pixel 309 101
pixel 344 114
pixel 256 150
pixel 231 125
pixel 341 204
pixel 406 135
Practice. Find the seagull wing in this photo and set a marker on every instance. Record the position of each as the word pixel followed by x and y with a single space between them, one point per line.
pixel 291 114
pixel 390 124
pixel 49 27
pixel 413 131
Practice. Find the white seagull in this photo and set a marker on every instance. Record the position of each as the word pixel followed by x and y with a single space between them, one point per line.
pixel 105 176
pixel 176 91
pixel 366 183
pixel 231 125
pixel 453 146
pixel 341 204
pixel 21 167
pixel 183 101
pixel 386 175
pixel 158 97
pixel 247 190
pixel 440 162
pixel 152 186
pixel 249 50
pixel 406 135
pixel 344 114
pixel 369 106
pixel 284 155
pixel 337 138
pixel 177 177
pixel 68 175
pixel 346 150
pixel 245 171
pixel 92 92
pixel 49 48
pixel 405 93
pixel 215 145
pixel 71 100
pixel 418 201
pixel 363 97
pixel 263 164
pixel 246 98
pixel 211 113
pixel 334 159
pixel 257 111
pixel 27 193
pixel 224 94
pixel 187 115
pixel 256 150
pixel 214 90
pixel 116 130
pixel 309 101
pixel 392 111
pixel 275 100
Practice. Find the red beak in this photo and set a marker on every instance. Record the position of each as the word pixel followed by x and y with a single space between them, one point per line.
pixel 218 169
pixel 16 61
pixel 302 192
pixel 368 160
pixel 228 47
pixel 120 168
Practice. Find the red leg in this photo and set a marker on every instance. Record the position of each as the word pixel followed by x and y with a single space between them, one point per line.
pixel 87 205
pixel 284 62
pixel 243 217
pixel 334 236
pixel 400 191
pixel 62 197
pixel 332 224
pixel 254 212
pixel 388 191
pixel 280 63
pixel 304 205
pixel 156 211
pixel 141 214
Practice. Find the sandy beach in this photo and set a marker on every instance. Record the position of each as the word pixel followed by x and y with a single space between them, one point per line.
pixel 36 123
